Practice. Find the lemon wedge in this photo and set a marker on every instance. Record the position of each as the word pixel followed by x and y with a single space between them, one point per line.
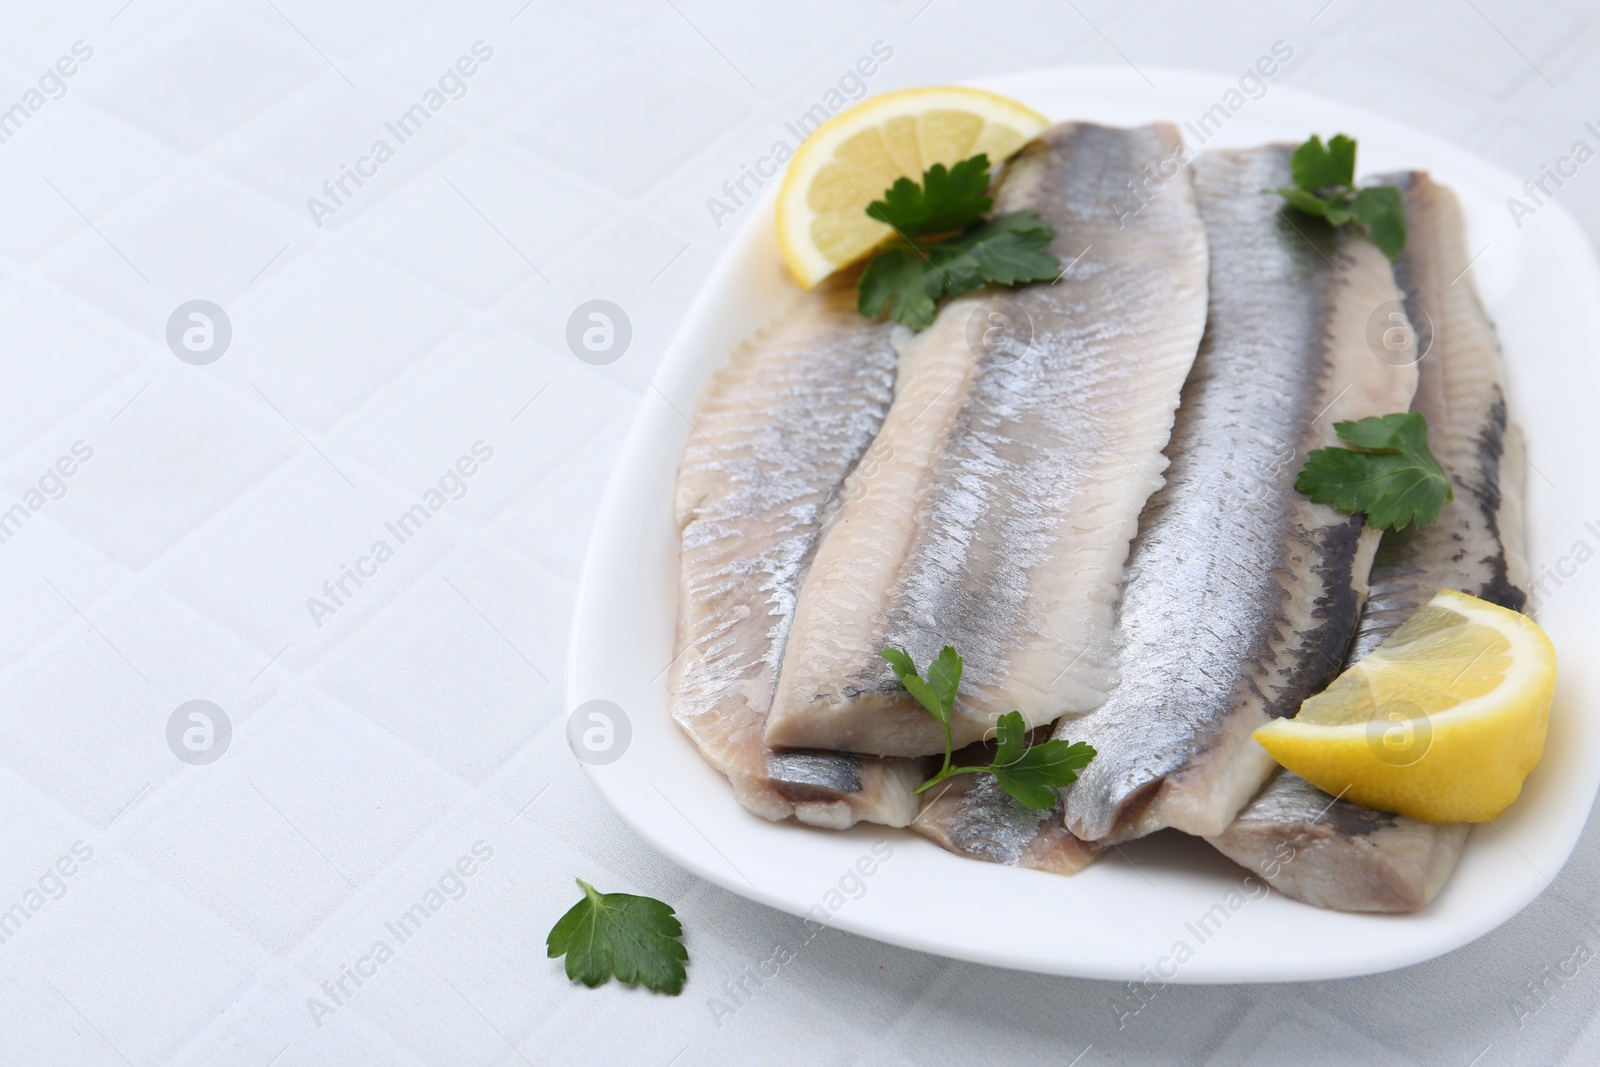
pixel 853 157
pixel 1441 722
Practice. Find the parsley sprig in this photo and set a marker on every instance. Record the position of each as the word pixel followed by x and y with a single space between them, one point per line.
pixel 943 246
pixel 636 939
pixel 1390 474
pixel 1031 774
pixel 1324 185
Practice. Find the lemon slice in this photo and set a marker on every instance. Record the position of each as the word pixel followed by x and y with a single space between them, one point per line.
pixel 1441 722
pixel 854 156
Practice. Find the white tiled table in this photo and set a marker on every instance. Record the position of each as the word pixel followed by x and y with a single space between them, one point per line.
pixel 377 743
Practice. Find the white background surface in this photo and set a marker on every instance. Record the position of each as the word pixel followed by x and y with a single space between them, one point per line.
pixel 371 753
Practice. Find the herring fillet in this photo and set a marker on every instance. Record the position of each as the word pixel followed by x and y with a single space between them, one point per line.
pixel 1330 852
pixel 998 518
pixel 1340 855
pixel 1476 547
pixel 775 434
pixel 1242 593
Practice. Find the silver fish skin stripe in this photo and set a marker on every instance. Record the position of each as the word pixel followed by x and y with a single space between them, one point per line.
pixel 776 432
pixel 998 521
pixel 1341 855
pixel 1476 546
pixel 974 817
pixel 1242 593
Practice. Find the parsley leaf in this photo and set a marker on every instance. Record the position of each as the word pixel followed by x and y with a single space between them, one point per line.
pixel 946 200
pixel 938 693
pixel 1032 774
pixel 637 939
pixel 944 247
pixel 1324 186
pixel 1390 474
pixel 1009 250
pixel 902 276
pixel 1316 168
pixel 1381 211
pixel 944 674
pixel 1028 773
pixel 904 667
pixel 1310 203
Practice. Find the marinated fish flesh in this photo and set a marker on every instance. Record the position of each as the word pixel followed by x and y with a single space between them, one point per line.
pixel 1011 475
pixel 775 435
pixel 1329 852
pixel 1242 593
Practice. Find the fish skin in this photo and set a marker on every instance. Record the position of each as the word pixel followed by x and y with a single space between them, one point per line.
pixel 972 815
pixel 1348 857
pixel 775 434
pixel 1242 592
pixel 1475 546
pixel 1339 855
pixel 999 521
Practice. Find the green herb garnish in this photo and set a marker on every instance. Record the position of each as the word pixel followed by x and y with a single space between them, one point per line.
pixel 943 246
pixel 636 939
pixel 947 200
pixel 1390 474
pixel 1324 185
pixel 1029 773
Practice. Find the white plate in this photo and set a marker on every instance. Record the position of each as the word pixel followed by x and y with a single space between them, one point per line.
pixel 1124 917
